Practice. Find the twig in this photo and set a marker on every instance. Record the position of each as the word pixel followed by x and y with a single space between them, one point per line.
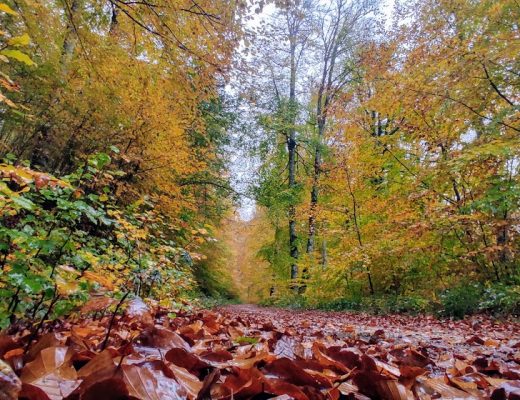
pixel 51 306
pixel 112 320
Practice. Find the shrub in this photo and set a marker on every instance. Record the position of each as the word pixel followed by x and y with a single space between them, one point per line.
pixel 501 299
pixel 61 238
pixel 461 300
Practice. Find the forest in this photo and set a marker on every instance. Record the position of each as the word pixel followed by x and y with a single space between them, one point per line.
pixel 255 199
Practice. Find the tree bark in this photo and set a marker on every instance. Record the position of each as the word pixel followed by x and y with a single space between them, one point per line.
pixel 40 138
pixel 291 149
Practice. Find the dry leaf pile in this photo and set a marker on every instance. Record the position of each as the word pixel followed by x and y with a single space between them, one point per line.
pixel 247 352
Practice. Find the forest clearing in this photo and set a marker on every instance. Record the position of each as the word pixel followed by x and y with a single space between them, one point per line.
pixel 259 199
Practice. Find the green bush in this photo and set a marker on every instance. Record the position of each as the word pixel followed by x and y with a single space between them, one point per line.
pixel 467 299
pixel 412 304
pixel 63 238
pixel 501 299
pixel 461 300
pixel 340 304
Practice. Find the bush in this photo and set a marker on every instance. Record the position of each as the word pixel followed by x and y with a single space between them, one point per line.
pixel 501 299
pixel 412 304
pixel 340 304
pixel 461 300
pixel 63 238
pixel 467 299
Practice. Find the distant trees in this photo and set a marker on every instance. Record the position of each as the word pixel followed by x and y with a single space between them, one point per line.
pixel 407 141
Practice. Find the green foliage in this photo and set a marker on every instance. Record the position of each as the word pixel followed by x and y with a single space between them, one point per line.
pixel 246 340
pixel 461 300
pixel 411 304
pixel 212 272
pixel 61 239
pixel 471 298
pixel 501 299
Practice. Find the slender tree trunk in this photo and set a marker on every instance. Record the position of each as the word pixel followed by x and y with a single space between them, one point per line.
pixel 71 36
pixel 358 231
pixel 41 137
pixel 291 149
pixel 324 253
pixel 324 97
pixel 114 21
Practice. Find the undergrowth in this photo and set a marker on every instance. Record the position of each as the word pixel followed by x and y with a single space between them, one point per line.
pixel 497 299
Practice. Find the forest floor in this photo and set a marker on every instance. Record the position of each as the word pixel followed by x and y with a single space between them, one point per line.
pixel 249 352
pixel 423 357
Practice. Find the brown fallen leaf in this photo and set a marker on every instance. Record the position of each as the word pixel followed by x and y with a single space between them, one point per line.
pixel 188 381
pixel 207 384
pixel 52 372
pixel 507 391
pixel 351 391
pixel 240 384
pixel 30 392
pixel 348 358
pixel 6 343
pixel 288 370
pixel 437 387
pixel 50 339
pixel 281 387
pixel 408 374
pixel 150 381
pixel 187 360
pixel 97 303
pixel 109 388
pixel 319 352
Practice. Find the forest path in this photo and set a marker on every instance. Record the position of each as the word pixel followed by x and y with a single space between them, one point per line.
pixel 475 355
pixel 408 328
pixel 247 352
pixel 417 330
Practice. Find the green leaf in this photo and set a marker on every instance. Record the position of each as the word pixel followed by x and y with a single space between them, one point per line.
pixel 246 339
pixel 23 40
pixel 18 55
pixel 23 202
pixel 4 319
pixel 100 160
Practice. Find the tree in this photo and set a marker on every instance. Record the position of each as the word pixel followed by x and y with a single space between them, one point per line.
pixel 283 44
pixel 344 27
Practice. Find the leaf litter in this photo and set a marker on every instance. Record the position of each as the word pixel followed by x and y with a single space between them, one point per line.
pixel 248 352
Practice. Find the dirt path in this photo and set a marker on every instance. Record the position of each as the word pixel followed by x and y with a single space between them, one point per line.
pixel 420 330
pixel 455 359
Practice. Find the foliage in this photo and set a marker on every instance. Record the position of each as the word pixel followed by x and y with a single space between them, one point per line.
pixel 471 298
pixel 212 272
pixel 142 80
pixel 461 300
pixel 63 239
pixel 10 46
pixel 419 182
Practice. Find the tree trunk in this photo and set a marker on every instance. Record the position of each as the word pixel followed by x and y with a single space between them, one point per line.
pixel 291 149
pixel 41 137
pixel 324 97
